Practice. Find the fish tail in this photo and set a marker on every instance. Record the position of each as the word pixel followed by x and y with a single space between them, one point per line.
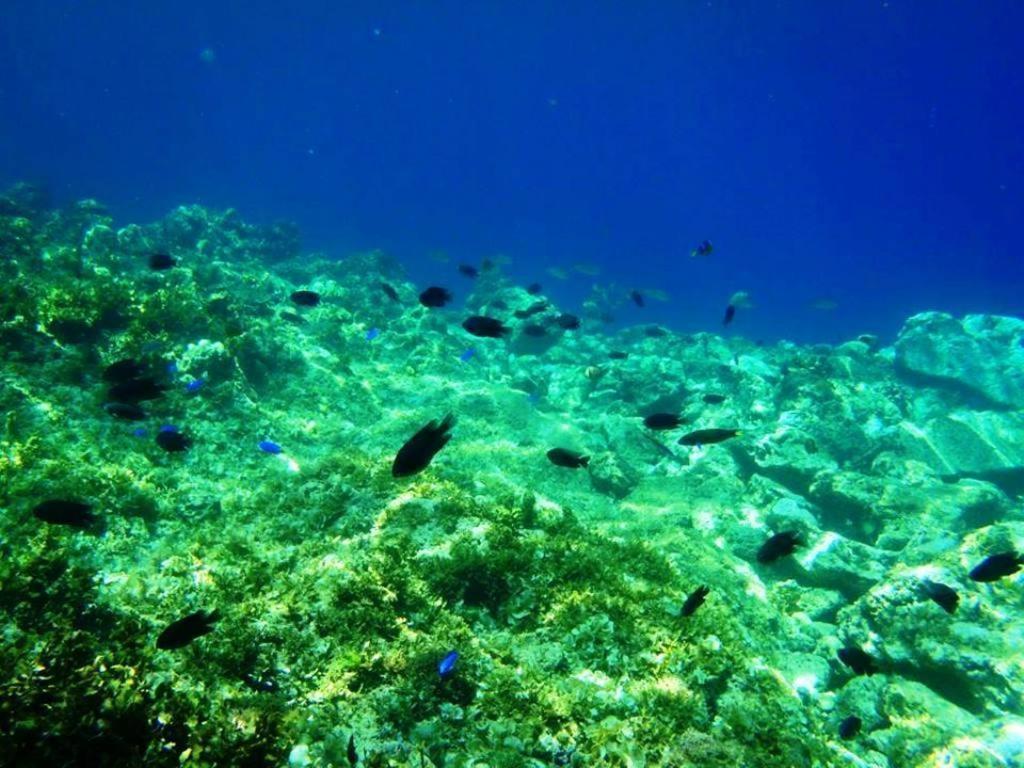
pixel 584 461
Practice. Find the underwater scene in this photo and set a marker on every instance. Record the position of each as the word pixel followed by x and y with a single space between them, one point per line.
pixel 485 385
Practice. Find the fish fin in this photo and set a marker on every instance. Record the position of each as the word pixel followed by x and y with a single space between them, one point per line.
pixel 584 461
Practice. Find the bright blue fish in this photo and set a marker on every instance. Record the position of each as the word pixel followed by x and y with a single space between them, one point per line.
pixel 467 355
pixel 268 446
pixel 447 665
pixel 372 334
pixel 140 432
pixel 168 428
pixel 194 386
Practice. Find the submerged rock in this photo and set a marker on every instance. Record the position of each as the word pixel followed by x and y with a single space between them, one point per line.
pixel 981 355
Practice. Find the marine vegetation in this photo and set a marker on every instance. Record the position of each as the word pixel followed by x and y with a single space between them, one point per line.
pixel 254 571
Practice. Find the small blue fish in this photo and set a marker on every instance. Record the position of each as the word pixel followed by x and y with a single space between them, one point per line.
pixel 447 665
pixel 139 432
pixel 372 334
pixel 168 428
pixel 467 355
pixel 268 446
pixel 172 367
pixel 194 386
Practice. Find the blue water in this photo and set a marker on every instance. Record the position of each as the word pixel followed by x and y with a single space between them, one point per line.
pixel 867 152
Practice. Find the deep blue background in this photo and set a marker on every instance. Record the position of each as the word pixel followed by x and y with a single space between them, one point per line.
pixel 868 152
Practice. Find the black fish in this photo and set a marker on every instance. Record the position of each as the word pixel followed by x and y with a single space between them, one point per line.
pixel 617 355
pixel 708 436
pixel 942 594
pixel 353 756
pixel 74 513
pixel 126 411
pixel 730 313
pixel 389 291
pixel 860 662
pixel 183 631
pixel 161 261
pixel 488 327
pixel 172 441
pixel 561 457
pixel 123 370
pixel 435 296
pixel 305 298
pixel 713 399
pixel 420 449
pixel 535 289
pixel 468 270
pixel 637 297
pixel 535 330
pixel 850 727
pixel 137 390
pixel 567 321
pixel 994 567
pixel 780 545
pixel 663 421
pixel 530 311
pixel 694 601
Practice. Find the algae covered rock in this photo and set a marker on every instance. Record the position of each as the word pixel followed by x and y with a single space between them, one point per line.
pixel 981 355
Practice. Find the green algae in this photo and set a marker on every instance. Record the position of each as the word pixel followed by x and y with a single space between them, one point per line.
pixel 341 588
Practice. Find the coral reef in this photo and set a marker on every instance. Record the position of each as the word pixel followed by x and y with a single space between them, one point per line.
pixel 340 588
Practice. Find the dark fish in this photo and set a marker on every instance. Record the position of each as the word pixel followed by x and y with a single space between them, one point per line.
pixel 535 308
pixel 305 298
pixel 730 313
pixel 655 332
pixel 123 370
pixel 161 261
pixel 353 756
pixel 137 390
pixel 183 631
pixel 561 457
pixel 468 270
pixel 713 399
pixel 535 330
pixel 567 321
pixel 637 297
pixel 708 436
pixel 435 296
pixel 126 411
pixel 617 355
pixel 61 512
pixel 780 545
pixel 942 594
pixel 694 601
pixel 860 662
pixel 663 421
pixel 488 327
pixel 420 449
pixel 535 289
pixel 172 441
pixel 447 664
pixel 389 291
pixel 850 727
pixel 704 248
pixel 994 567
